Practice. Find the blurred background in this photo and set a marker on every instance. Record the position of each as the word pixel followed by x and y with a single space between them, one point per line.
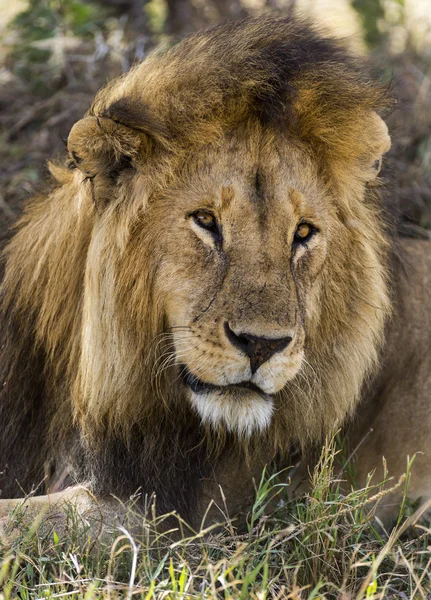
pixel 55 54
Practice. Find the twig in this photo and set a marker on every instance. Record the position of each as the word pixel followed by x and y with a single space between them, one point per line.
pixel 6 208
pixel 134 562
pixel 30 115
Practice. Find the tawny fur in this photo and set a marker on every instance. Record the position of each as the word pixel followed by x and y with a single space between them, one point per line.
pixel 100 271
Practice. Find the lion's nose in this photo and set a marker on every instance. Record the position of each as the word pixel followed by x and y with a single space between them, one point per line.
pixel 258 349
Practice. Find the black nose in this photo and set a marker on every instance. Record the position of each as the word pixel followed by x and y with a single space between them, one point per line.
pixel 258 349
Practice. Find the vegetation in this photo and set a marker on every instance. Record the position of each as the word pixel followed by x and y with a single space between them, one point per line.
pixel 57 53
pixel 328 544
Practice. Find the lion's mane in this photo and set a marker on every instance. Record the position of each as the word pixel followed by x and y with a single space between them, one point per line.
pixel 80 318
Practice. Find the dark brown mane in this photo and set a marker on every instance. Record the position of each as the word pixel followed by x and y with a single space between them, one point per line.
pixel 76 377
pixel 277 69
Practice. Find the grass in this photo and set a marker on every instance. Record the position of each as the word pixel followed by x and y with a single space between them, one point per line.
pixel 325 545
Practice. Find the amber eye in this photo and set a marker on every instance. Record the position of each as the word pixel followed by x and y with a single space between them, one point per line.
pixel 303 232
pixel 205 219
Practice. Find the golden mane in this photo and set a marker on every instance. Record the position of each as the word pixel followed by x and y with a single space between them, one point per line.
pixel 79 279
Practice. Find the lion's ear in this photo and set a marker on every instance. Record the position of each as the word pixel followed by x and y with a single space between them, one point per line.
pixel 378 143
pixel 99 145
pixel 113 138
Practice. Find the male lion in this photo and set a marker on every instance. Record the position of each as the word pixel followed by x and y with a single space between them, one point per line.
pixel 212 277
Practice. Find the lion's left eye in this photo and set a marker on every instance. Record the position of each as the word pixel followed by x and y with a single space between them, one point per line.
pixel 304 232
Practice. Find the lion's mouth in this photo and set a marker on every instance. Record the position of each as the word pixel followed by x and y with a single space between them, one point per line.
pixel 198 386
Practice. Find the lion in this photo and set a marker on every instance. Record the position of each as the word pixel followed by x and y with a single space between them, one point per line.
pixel 215 282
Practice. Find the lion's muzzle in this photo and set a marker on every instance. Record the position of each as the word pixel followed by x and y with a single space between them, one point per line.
pixel 258 349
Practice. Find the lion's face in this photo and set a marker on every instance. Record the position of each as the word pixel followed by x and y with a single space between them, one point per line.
pixel 244 241
pixel 221 250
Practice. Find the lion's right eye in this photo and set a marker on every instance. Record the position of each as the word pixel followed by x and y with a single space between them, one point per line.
pixel 206 220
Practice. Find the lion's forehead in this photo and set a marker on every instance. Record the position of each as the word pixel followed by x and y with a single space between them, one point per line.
pixel 255 177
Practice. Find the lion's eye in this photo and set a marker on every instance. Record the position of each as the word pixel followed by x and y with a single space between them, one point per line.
pixel 304 232
pixel 205 220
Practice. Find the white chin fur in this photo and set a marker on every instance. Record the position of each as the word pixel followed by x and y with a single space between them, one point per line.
pixel 243 413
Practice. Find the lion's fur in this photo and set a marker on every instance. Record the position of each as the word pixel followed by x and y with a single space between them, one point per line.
pixel 83 306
